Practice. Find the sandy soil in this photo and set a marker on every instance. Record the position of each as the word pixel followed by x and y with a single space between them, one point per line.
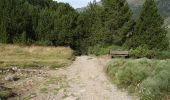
pixel 86 81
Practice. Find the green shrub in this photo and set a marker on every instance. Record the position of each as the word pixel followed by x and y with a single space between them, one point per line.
pixel 132 73
pixel 142 51
pixel 113 66
pixel 158 84
pixel 98 50
pixel 162 54
pixel 3 37
pixel 44 43
pixel 149 78
pixel 102 50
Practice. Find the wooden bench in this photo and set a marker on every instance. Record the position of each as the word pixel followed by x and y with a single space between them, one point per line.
pixel 124 54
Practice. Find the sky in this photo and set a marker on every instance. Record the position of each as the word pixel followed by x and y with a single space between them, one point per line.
pixel 77 3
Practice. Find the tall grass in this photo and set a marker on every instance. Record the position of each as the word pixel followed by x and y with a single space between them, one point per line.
pixel 150 79
pixel 34 56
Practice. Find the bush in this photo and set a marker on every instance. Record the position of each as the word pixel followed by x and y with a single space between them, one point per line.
pixel 149 78
pixel 158 84
pixel 132 73
pixel 3 37
pixel 44 43
pixel 21 39
pixel 162 54
pixel 113 66
pixel 142 51
pixel 102 50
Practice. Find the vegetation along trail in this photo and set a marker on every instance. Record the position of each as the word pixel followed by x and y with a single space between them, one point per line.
pixel 84 80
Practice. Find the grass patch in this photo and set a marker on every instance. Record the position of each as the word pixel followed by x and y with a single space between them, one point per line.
pixel 150 79
pixel 25 98
pixel 53 80
pixel 44 90
pixel 34 56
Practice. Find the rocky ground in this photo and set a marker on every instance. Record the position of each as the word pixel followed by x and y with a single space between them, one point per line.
pixel 83 80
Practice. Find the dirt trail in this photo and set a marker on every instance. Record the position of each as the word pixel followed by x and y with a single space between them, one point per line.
pixel 84 80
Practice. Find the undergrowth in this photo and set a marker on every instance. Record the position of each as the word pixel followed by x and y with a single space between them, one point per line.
pixel 99 50
pixel 150 79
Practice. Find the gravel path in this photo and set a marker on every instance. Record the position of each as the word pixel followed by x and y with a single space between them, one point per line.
pixel 84 80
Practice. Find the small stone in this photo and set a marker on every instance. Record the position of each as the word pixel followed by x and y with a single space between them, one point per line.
pixel 71 98
pixel 82 91
pixel 33 95
pixel 11 78
pixel 15 68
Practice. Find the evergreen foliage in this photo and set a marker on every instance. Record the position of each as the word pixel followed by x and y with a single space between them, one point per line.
pixel 65 25
pixel 47 22
pixel 40 21
pixel 118 20
pixel 45 26
pixel 84 31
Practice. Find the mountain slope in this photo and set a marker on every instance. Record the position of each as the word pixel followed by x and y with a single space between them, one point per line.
pixel 136 5
pixel 163 5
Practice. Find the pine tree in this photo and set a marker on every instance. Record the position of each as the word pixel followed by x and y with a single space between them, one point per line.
pixel 149 29
pixel 3 37
pixel 3 34
pixel 98 36
pixel 65 24
pixel 118 20
pixel 45 25
pixel 24 38
pixel 87 25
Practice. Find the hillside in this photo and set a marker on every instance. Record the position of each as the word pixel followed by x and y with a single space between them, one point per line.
pixel 136 5
pixel 163 5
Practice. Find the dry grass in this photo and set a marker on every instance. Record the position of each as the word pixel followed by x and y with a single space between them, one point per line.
pixel 34 56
